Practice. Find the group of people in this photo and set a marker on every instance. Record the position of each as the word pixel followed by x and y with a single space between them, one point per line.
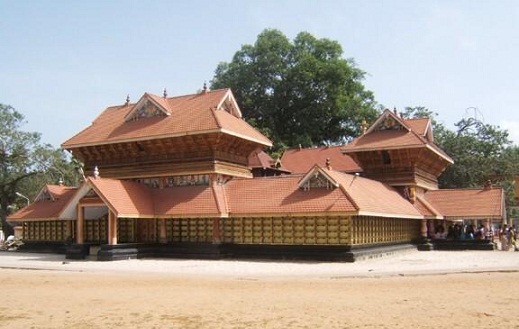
pixel 506 235
pixel 461 232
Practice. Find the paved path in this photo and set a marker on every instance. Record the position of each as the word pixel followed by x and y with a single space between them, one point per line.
pixel 404 263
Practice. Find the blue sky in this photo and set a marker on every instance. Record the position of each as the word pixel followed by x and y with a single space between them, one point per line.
pixel 63 62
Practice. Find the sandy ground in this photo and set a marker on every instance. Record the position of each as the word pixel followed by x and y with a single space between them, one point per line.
pixel 407 290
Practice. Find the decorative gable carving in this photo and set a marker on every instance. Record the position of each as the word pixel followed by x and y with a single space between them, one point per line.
pixel 317 178
pixel 45 195
pixel 147 107
pixel 228 104
pixel 388 121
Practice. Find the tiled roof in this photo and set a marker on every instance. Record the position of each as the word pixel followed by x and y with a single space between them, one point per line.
pixel 193 114
pixel 186 201
pixel 299 161
pixel 260 159
pixel 386 139
pixel 427 209
pixel 46 209
pixel 125 198
pixel 418 125
pixel 468 203
pixel 375 198
pixel 282 196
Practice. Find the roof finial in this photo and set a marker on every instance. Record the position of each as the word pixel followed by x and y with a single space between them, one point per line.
pixel 328 165
pixel 204 89
pixel 127 99
pixel 96 172
pixel 394 111
pixel 165 93
pixel 364 126
pixel 60 182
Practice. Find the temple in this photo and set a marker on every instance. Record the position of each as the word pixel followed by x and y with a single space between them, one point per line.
pixel 188 177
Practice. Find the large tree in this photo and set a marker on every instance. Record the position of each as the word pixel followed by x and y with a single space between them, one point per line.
pixel 298 93
pixel 25 164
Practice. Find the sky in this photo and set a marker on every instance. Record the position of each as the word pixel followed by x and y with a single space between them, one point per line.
pixel 63 62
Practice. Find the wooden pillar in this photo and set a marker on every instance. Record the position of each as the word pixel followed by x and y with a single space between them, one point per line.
pixel 424 228
pixel 80 225
pixel 112 228
pixel 216 231
pixel 163 238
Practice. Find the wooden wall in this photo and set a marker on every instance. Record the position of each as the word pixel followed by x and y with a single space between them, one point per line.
pixel 48 230
pixel 376 230
pixel 358 230
pixel 286 230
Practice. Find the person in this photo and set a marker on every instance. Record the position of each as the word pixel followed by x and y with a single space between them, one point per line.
pixel 513 236
pixel 504 236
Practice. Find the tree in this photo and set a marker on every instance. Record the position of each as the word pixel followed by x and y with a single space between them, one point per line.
pixel 300 93
pixel 478 152
pixel 25 164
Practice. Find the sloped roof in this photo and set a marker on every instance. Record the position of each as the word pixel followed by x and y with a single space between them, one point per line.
pixel 300 161
pixel 284 196
pixel 418 125
pixel 124 198
pixel 468 203
pixel 375 198
pixel 404 137
pixel 187 201
pixel 281 195
pixel 260 159
pixel 427 209
pixel 48 209
pixel 190 114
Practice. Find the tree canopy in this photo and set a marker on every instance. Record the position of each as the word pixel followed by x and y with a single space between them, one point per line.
pixel 298 93
pixel 25 164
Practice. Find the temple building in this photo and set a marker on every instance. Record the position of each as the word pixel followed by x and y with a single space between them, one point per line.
pixel 187 176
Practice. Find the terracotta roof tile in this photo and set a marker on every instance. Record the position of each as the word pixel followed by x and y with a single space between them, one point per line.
pixel 185 201
pixel 387 139
pixel 468 203
pixel 189 114
pixel 300 161
pixel 46 209
pixel 418 125
pixel 373 197
pixel 281 195
pixel 126 198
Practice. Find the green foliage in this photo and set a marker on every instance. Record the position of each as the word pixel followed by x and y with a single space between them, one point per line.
pixel 478 153
pixel 25 164
pixel 301 92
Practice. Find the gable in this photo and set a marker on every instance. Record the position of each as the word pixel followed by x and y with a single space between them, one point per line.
pixel 317 178
pixel 388 121
pixel 147 107
pixel 228 104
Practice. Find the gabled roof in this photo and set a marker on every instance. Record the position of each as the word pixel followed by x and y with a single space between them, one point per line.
pixel 281 196
pixel 45 208
pixel 468 203
pixel 374 198
pixel 205 112
pixel 300 161
pixel 259 159
pixel 392 132
pixel 148 106
pixel 287 195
